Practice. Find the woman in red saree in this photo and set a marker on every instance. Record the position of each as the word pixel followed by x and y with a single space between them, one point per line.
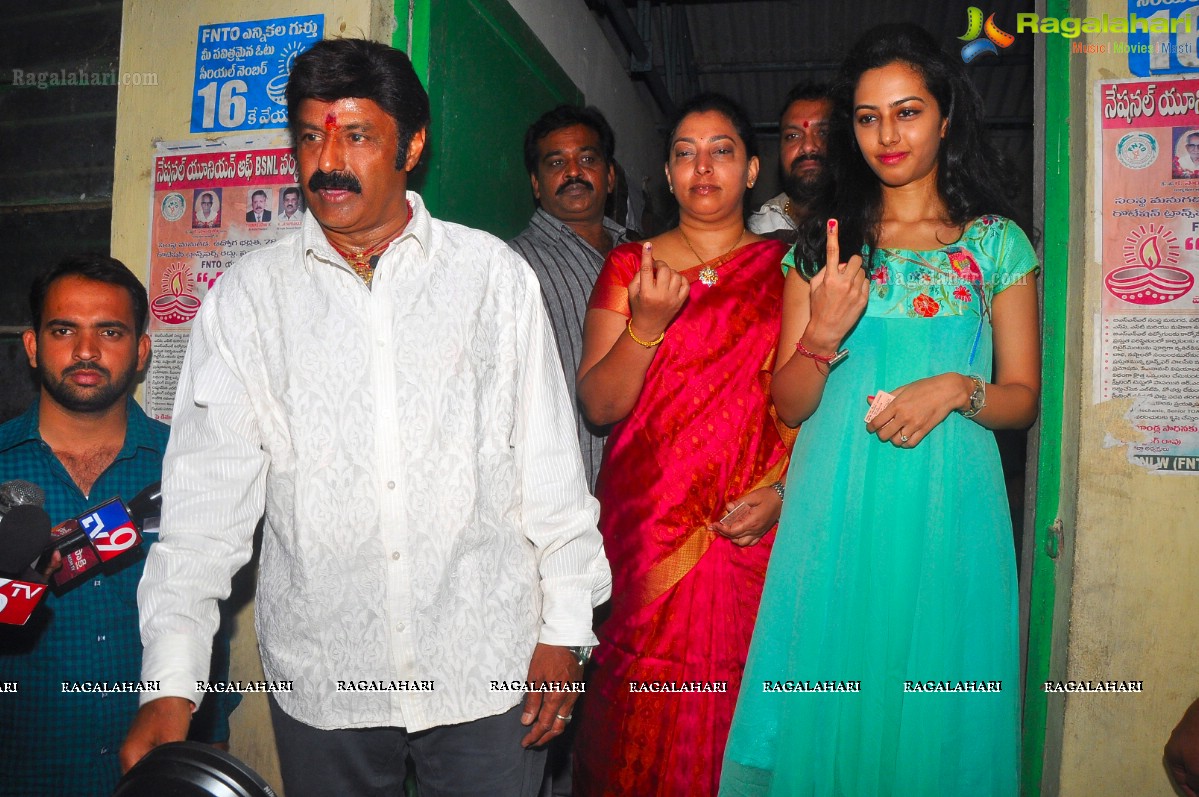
pixel 678 348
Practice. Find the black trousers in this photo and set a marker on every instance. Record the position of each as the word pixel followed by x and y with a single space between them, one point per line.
pixel 482 758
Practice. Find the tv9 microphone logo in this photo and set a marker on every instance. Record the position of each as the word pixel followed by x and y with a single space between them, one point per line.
pixel 110 529
pixel 18 599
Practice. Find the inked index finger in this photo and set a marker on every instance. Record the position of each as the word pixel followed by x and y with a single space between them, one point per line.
pixel 646 275
pixel 832 246
pixel 647 258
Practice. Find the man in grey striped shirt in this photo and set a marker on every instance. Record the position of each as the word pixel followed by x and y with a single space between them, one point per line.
pixel 569 152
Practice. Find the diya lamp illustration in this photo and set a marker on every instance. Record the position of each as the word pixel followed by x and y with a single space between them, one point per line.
pixel 176 304
pixel 1150 274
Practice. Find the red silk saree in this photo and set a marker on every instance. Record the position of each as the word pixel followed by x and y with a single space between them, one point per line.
pixel 658 707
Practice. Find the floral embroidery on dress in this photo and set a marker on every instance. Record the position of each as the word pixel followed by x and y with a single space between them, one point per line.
pixel 925 306
pixel 938 281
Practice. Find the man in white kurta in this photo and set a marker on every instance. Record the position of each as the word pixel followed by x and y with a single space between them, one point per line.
pixel 385 388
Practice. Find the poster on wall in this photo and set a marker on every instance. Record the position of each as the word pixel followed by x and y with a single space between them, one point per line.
pixel 213 202
pixel 1147 336
pixel 242 70
pixel 1163 40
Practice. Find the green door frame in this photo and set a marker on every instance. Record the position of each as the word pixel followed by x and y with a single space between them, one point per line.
pixel 457 47
pixel 1047 542
pixel 412 36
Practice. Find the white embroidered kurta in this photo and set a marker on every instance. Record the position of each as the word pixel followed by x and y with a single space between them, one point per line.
pixel 426 514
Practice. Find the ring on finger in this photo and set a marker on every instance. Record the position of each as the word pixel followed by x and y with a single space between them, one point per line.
pixel 567 718
pixel 903 438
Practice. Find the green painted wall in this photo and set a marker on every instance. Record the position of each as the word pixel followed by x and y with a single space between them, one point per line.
pixel 488 78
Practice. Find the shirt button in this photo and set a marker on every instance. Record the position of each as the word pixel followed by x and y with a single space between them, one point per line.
pixel 380 343
pixel 101 638
pixel 103 750
pixel 400 627
pixel 395 555
pixel 391 485
pixel 96 583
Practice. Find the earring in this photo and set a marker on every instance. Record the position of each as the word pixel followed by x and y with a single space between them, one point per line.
pixel 670 188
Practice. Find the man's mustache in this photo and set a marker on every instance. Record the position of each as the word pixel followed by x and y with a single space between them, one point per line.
pixel 574 181
pixel 86 366
pixel 334 181
pixel 808 156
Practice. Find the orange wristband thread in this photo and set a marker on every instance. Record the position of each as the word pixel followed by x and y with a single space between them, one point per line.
pixel 829 361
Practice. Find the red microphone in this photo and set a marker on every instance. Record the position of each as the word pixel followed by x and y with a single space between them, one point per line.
pixel 24 532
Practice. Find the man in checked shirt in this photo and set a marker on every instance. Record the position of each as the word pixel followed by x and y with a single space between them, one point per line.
pixel 83 441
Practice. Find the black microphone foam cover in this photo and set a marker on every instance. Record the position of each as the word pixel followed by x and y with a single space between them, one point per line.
pixel 24 534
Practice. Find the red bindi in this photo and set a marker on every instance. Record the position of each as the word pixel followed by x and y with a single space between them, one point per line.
pixel 330 121
pixel 805 124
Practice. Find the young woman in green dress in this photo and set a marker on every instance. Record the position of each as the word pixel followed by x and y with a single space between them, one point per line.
pixel 885 656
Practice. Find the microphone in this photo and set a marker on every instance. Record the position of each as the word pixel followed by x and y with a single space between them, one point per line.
pixel 20 493
pixel 25 532
pixel 89 541
pixel 146 505
pixel 95 538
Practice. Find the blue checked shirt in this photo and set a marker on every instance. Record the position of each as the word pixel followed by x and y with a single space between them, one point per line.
pixel 56 742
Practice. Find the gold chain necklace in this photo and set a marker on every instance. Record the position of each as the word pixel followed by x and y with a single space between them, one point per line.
pixel 364 260
pixel 707 274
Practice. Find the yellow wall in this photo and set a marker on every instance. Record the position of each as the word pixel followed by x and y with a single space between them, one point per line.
pixel 1134 607
pixel 161 38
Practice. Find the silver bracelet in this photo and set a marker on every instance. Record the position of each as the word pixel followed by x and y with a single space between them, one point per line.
pixel 779 488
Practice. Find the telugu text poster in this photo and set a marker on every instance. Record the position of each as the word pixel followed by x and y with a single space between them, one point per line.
pixel 213 202
pixel 1148 242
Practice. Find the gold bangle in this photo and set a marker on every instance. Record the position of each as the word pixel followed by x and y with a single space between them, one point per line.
pixel 649 344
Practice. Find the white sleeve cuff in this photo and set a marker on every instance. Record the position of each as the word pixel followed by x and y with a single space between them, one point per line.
pixel 567 618
pixel 179 663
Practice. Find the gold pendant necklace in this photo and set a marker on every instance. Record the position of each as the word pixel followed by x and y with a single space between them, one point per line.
pixel 708 275
pixel 363 262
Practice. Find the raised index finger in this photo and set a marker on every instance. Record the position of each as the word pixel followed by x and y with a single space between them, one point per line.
pixel 647 266
pixel 832 247
pixel 647 258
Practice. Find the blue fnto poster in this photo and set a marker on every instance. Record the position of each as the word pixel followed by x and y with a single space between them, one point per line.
pixel 242 70
pixel 1163 38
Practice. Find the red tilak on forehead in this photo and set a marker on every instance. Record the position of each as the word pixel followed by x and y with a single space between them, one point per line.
pixel 330 121
pixel 805 124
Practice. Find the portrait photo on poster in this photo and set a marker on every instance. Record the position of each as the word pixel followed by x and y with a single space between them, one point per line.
pixel 1186 153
